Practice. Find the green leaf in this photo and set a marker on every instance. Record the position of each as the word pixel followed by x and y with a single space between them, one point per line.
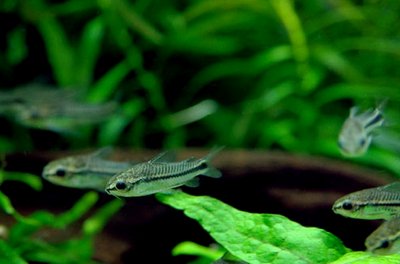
pixel 258 238
pixel 60 54
pixel 367 258
pixel 95 224
pixel 191 248
pixel 8 254
pixel 89 50
pixel 26 226
pixel 5 204
pixel 31 180
pixel 70 251
pixel 78 210
pixel 112 130
pixel 17 49
pixel 107 84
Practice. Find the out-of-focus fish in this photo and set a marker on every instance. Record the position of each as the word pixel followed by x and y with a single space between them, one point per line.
pixel 48 108
pixel 355 135
pixel 160 174
pixel 386 238
pixel 90 171
pixel 374 203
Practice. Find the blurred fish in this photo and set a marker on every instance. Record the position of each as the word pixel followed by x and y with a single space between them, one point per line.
pixel 374 203
pixel 386 238
pixel 160 174
pixel 52 109
pixel 355 135
pixel 90 171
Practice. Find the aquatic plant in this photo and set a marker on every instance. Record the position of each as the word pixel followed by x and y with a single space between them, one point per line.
pixel 276 74
pixel 20 243
pixel 262 238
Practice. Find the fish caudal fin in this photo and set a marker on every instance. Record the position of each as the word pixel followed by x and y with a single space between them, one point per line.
pixel 212 171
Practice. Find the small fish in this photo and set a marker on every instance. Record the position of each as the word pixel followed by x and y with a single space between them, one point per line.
pixel 90 171
pixel 160 174
pixel 356 133
pixel 49 108
pixel 374 203
pixel 386 238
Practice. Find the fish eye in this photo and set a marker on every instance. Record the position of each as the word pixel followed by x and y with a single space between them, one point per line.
pixel 362 141
pixel 120 185
pixel 60 172
pixel 385 244
pixel 347 205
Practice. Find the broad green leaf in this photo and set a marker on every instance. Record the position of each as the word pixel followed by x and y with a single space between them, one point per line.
pixel 258 238
pixel 367 258
pixel 9 255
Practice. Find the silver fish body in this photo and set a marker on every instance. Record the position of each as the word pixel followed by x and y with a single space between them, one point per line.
pixel 355 135
pixel 49 108
pixel 374 203
pixel 91 171
pixel 159 175
pixel 386 238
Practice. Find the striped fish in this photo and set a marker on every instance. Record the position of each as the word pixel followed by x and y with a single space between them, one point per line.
pixel 374 203
pixel 160 174
pixel 386 238
pixel 90 171
pixel 355 135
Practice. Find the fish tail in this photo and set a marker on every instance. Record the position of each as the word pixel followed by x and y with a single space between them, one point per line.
pixel 211 170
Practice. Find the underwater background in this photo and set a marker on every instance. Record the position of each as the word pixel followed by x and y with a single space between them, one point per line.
pixel 277 75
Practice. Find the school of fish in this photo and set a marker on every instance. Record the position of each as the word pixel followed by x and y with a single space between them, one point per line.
pixel 163 174
pixel 129 179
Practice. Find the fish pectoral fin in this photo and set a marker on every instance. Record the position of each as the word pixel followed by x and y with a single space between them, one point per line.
pixel 169 191
pixel 212 172
pixel 193 183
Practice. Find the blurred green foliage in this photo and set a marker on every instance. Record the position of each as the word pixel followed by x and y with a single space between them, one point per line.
pixel 22 242
pixel 281 74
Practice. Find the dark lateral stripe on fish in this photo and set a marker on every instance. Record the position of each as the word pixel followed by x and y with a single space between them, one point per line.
pixel 201 166
pixel 379 203
pixel 377 118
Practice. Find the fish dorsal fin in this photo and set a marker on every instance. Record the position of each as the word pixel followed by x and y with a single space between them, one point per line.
pixel 353 111
pixel 191 159
pixel 166 156
pixel 393 187
pixel 104 152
